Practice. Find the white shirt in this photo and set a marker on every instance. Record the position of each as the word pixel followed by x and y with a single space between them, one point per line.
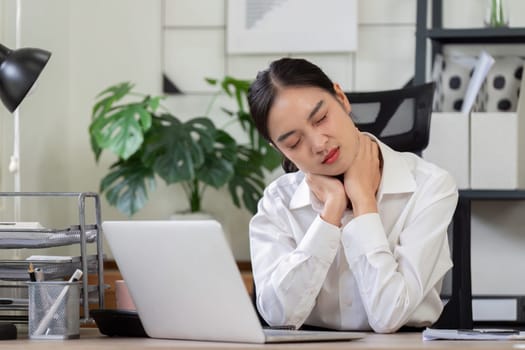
pixel 377 271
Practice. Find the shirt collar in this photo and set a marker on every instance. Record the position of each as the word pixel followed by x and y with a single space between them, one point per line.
pixel 301 196
pixel 397 174
pixel 397 178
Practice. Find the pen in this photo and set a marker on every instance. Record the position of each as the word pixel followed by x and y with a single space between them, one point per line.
pixel 13 301
pixel 31 271
pixel 39 274
pixel 53 309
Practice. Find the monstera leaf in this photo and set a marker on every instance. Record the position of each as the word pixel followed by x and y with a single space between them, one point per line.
pixel 120 128
pixel 127 185
pixel 248 181
pixel 218 167
pixel 175 149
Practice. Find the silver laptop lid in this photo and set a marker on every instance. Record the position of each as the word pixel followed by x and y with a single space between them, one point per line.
pixel 184 280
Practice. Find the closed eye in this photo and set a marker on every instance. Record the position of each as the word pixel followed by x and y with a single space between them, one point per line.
pixel 295 144
pixel 320 120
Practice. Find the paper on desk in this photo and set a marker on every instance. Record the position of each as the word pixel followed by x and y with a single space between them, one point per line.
pixel 12 237
pixel 20 225
pixel 50 257
pixel 454 334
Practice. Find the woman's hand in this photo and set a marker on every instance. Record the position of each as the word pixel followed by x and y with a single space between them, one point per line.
pixel 362 179
pixel 331 192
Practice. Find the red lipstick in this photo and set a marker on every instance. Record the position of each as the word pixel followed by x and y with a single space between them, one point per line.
pixel 332 156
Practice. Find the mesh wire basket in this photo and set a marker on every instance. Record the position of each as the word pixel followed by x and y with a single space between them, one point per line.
pixel 54 311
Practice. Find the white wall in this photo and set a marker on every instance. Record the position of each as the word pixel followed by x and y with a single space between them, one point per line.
pixel 93 44
pixel 96 43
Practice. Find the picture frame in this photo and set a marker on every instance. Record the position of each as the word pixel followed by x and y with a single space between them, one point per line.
pixel 291 26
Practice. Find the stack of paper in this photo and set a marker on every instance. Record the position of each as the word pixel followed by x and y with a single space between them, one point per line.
pixel 472 334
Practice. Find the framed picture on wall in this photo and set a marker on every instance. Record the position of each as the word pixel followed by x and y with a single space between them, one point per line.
pixel 289 26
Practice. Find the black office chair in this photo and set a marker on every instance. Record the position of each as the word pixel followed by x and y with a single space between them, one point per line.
pixel 400 118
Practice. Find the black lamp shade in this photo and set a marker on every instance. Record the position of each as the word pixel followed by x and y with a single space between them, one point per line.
pixel 19 69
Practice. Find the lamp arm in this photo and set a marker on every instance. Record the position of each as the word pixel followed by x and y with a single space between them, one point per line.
pixel 14 164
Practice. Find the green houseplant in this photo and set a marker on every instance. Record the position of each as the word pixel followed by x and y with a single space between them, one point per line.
pixel 150 142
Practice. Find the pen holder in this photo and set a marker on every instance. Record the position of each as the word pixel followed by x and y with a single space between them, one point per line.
pixel 54 311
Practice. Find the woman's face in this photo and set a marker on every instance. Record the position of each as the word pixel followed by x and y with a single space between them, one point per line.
pixel 313 129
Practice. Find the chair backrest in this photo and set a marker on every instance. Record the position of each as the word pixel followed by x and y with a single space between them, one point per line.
pixel 400 118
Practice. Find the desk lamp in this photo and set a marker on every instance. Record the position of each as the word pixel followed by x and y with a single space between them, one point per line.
pixel 19 69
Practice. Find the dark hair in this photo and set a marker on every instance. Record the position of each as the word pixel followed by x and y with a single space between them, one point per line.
pixel 285 72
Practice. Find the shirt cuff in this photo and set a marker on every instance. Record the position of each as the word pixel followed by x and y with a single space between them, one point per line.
pixel 321 240
pixel 364 234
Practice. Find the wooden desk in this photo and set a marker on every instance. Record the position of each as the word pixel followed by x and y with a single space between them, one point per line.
pixel 90 338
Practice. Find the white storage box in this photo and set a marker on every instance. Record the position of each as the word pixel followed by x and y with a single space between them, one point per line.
pixel 449 145
pixel 497 158
pixel 498 150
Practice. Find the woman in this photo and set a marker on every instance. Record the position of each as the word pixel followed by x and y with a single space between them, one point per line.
pixel 356 239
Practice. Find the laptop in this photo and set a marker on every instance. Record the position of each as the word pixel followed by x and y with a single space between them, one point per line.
pixel 185 284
